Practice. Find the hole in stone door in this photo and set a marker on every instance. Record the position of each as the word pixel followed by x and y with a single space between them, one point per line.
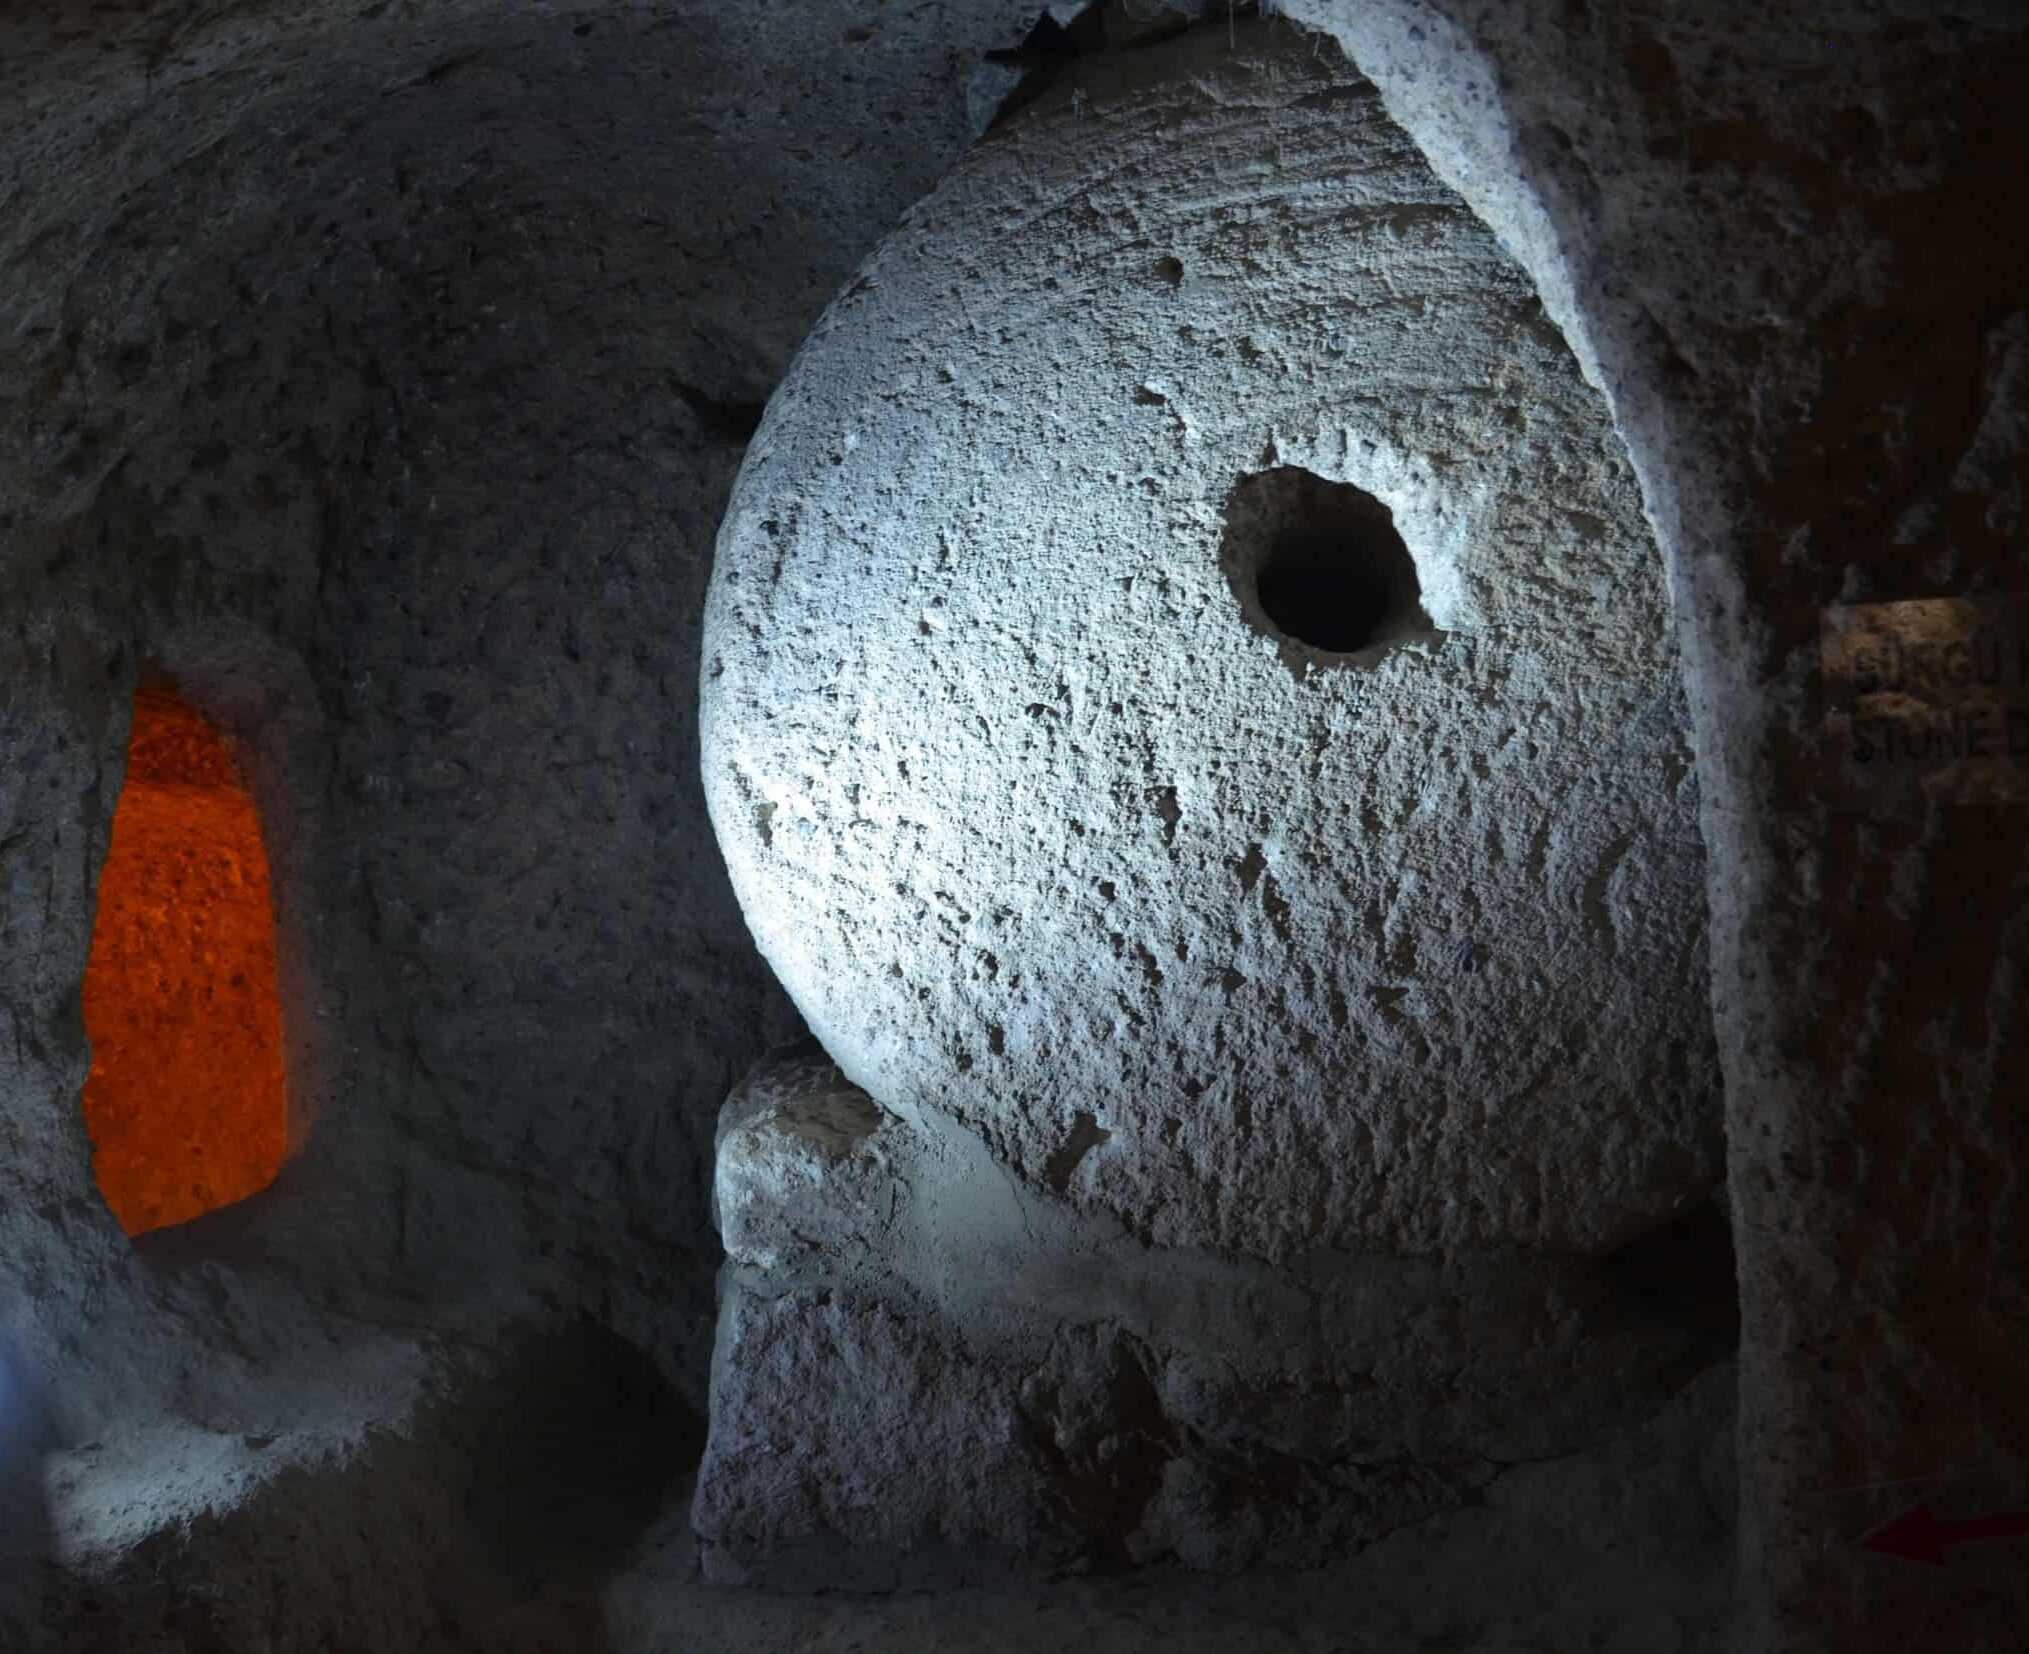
pixel 1320 563
pixel 185 1102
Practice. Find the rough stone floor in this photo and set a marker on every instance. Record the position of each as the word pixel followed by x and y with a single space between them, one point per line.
pixel 1479 1582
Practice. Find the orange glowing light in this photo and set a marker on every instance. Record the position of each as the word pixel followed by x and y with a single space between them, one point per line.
pixel 185 1102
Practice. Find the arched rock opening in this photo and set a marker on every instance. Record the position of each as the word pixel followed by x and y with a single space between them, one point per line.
pixel 186 1102
pixel 420 361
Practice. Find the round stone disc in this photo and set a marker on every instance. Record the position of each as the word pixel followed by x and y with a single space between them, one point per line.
pixel 1188 689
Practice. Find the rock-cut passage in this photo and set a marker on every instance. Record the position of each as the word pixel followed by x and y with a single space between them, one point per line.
pixel 185 1102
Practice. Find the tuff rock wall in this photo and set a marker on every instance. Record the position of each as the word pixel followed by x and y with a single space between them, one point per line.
pixel 258 426
pixel 377 374
pixel 1788 246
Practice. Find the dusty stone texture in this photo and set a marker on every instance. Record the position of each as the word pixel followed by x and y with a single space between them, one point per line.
pixel 1251 946
pixel 857 1446
pixel 506 1486
pixel 1621 1550
pixel 801 1166
pixel 1781 239
pixel 518 965
pixel 925 1377
pixel 379 373
pixel 1791 246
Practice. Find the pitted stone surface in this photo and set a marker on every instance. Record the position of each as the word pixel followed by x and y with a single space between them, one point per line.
pixel 921 1376
pixel 803 1169
pixel 379 373
pixel 1773 234
pixel 854 1444
pixel 1248 945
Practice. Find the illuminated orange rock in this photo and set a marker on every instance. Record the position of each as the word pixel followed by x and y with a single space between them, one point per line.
pixel 185 1103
